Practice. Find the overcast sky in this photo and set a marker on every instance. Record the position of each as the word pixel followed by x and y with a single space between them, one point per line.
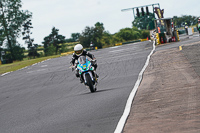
pixel 72 16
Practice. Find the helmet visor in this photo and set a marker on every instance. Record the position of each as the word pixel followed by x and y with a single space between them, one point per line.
pixel 79 52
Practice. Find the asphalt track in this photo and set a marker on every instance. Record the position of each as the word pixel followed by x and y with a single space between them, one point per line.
pixel 167 100
pixel 48 98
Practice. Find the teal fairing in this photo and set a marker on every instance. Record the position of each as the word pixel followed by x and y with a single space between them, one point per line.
pixel 84 65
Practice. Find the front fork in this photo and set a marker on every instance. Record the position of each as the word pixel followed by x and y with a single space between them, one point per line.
pixel 91 75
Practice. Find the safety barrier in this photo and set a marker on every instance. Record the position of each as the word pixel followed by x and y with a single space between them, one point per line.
pixel 143 40
pixel 181 32
pixel 118 44
pixel 157 39
pixel 177 35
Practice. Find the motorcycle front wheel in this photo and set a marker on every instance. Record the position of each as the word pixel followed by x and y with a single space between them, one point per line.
pixel 90 83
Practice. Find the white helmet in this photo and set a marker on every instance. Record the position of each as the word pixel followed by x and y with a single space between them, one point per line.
pixel 78 49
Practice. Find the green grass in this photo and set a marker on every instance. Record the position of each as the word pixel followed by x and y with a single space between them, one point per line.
pixel 21 64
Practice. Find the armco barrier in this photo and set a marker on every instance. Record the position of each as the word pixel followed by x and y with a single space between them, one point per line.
pixel 118 44
pixel 143 40
pixel 181 32
pixel 177 35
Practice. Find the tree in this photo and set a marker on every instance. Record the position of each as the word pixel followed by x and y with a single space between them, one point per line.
pixel 2 37
pixel 47 44
pixel 18 51
pixel 143 22
pixel 180 21
pixel 32 48
pixel 86 36
pixel 11 21
pixel 75 37
pixel 26 33
pixel 33 51
pixel 98 34
pixel 55 39
pixel 92 34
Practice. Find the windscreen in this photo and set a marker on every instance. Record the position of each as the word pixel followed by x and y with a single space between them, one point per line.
pixel 82 59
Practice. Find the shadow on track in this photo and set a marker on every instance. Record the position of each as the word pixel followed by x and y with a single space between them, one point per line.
pixel 99 91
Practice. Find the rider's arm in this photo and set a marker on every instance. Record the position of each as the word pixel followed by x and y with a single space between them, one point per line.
pixel 73 59
pixel 89 54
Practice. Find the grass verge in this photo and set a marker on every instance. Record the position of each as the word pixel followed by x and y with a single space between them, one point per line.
pixel 21 64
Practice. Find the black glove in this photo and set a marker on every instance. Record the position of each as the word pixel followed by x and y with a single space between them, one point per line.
pixel 73 68
pixel 94 61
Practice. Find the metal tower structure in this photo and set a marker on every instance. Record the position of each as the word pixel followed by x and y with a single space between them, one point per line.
pixel 137 8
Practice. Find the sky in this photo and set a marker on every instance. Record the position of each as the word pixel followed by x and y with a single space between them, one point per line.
pixel 72 16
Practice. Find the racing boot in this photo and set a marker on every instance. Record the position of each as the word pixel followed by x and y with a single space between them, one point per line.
pixel 96 76
pixel 81 80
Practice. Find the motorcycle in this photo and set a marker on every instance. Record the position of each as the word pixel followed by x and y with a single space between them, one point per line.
pixel 86 72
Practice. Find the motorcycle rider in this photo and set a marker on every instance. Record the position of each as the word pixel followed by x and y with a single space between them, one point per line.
pixel 79 51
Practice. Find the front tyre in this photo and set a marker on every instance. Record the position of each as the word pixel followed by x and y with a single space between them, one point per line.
pixel 90 83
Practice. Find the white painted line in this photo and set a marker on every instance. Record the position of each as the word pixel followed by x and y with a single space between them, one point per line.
pixel 6 73
pixel 125 115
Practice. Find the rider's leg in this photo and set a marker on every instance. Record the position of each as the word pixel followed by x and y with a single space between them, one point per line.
pixel 77 73
pixel 81 79
pixel 95 67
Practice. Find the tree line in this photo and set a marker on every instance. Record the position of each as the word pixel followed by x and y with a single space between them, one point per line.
pixel 96 35
pixel 15 22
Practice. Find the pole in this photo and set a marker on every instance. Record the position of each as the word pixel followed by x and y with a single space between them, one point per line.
pixel 153 11
pixel 133 13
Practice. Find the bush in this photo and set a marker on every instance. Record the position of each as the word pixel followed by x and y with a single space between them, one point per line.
pixel 131 34
pixel 18 52
pixel 33 53
pixel 145 34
